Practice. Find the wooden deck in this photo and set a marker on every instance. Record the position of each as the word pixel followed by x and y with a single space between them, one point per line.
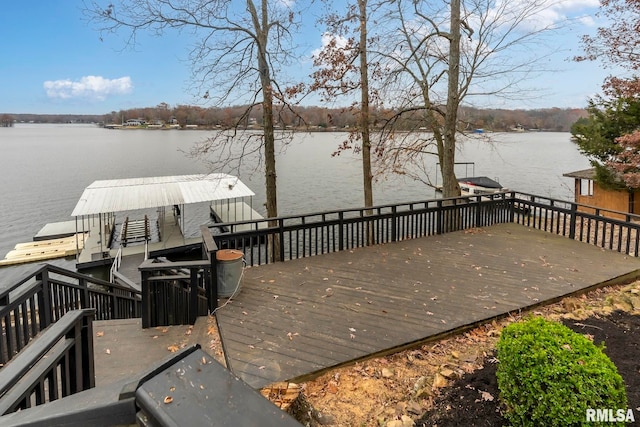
pixel 304 316
pixel 123 349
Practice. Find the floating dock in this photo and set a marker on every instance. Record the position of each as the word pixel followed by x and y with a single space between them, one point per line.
pixel 224 211
pixel 42 250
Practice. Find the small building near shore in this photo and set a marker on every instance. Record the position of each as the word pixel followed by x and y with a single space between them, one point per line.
pixel 588 192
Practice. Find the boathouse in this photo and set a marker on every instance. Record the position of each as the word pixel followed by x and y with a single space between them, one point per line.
pixel 101 200
pixel 590 195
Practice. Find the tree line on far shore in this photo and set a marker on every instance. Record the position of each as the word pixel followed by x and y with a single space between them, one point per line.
pixel 316 117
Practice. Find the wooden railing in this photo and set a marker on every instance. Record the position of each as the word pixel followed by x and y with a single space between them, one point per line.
pixel 43 297
pixel 174 293
pixel 300 236
pixel 605 228
pixel 58 363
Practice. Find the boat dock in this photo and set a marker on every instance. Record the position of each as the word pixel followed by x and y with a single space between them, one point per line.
pixel 97 239
pixel 42 250
pixel 96 253
pixel 159 236
pixel 56 230
pixel 226 211
pixel 54 240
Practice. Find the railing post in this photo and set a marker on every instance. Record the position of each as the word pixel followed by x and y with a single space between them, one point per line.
pixel 212 296
pixel 44 300
pixel 84 294
pixel 394 223
pixel 281 237
pixel 572 221
pixel 440 225
pixel 88 368
pixel 512 213
pixel 193 295
pixel 146 300
pixel 341 231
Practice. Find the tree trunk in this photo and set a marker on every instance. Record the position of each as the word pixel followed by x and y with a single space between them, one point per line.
pixel 450 186
pixel 267 118
pixel 367 176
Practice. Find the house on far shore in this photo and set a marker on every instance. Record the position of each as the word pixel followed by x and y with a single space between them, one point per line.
pixel 588 192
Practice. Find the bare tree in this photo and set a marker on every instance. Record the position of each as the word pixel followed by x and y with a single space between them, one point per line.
pixel 343 71
pixel 239 47
pixel 436 58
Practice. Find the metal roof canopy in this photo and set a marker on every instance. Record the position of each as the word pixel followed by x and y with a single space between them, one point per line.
pixel 119 195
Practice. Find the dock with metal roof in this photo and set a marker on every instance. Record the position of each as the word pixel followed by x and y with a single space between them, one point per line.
pixel 101 200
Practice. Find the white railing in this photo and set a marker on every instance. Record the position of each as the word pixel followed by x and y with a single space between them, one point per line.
pixel 117 261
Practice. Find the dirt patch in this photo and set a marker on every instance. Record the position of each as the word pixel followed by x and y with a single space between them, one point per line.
pixel 452 382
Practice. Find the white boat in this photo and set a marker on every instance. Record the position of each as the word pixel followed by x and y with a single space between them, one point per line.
pixel 478 185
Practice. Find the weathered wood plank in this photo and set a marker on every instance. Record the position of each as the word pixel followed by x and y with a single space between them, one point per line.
pixel 123 349
pixel 302 316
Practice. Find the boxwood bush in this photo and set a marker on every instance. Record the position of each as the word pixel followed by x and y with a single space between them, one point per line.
pixel 549 375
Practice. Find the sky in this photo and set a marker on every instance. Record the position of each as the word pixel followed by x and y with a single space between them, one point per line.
pixel 53 61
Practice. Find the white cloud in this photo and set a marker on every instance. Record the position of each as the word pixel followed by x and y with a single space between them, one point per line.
pixel 88 87
pixel 327 38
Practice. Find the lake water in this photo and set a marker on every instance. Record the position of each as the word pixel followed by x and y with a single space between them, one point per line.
pixel 45 168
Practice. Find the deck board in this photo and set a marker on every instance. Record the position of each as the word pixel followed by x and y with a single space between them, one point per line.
pixel 122 349
pixel 303 316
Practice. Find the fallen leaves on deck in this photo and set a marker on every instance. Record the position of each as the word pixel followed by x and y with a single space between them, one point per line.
pixel 375 391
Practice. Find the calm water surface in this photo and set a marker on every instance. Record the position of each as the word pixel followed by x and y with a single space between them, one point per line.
pixel 45 168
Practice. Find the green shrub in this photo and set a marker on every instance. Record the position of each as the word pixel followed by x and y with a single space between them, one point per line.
pixel 549 375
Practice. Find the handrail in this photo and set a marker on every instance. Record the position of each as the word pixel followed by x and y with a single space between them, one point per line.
pixel 44 296
pixel 295 236
pixel 117 404
pixel 117 261
pixel 175 293
pixel 362 211
pixel 64 351
pixel 291 237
